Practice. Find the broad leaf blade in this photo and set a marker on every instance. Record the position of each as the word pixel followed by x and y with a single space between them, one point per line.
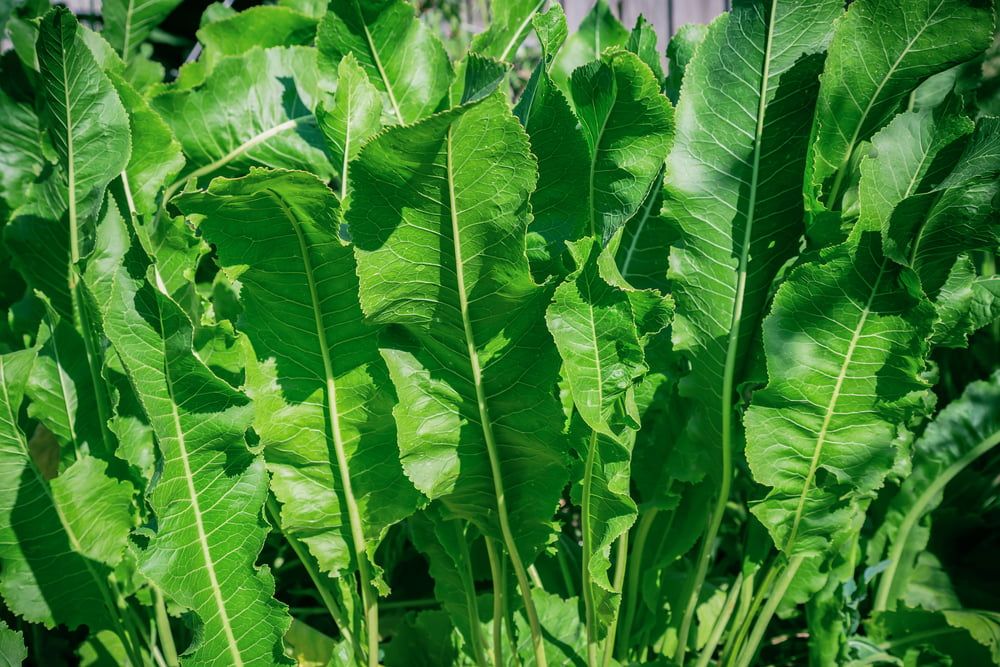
pixel 438 220
pixel 401 55
pixel 629 127
pixel 211 489
pixel 329 393
pixel 880 51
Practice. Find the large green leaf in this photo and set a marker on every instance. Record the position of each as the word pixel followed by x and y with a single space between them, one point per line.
pixel 253 109
pixel 880 51
pixel 559 201
pixel 59 538
pixel 127 23
pixel 401 55
pixel 598 31
pixel 355 115
pixel 846 345
pixel 510 23
pixel 87 123
pixel 733 191
pixel 263 27
pixel 628 125
pixel 210 490
pixel 324 410
pixel 965 430
pixel 598 328
pixel 21 159
pixel 439 217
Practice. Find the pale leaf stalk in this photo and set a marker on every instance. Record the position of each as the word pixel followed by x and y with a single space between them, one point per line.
pixel 774 599
pixel 916 512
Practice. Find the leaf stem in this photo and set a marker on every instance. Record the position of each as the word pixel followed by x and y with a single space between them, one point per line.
pixel 916 512
pixel 617 585
pixel 163 630
pixel 586 529
pixel 774 599
pixel 634 573
pixel 720 625
pixel 499 594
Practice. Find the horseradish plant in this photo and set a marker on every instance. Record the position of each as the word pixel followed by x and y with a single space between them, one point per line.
pixel 612 366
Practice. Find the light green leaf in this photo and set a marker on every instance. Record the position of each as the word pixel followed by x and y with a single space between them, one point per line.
pixel 323 404
pixel 642 41
pixel 593 323
pixel 12 650
pixel 59 539
pixel 880 51
pixel 156 154
pixel 559 202
pixel 680 51
pixel 254 109
pixel 86 121
pixel 962 432
pixel 402 56
pixel 355 115
pixel 211 488
pixel 61 390
pixel 733 191
pixel 262 27
pixel 438 220
pixel 510 23
pixel 846 345
pixel 628 125
pixel 127 23
pixel 566 640
pixel 598 31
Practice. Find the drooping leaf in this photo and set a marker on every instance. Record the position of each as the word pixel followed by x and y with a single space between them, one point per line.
pixel 880 51
pixel 628 125
pixel 402 56
pixel 355 115
pixel 156 154
pixel 324 407
pixel 254 109
pixel 598 31
pixel 962 432
pixel 127 23
pixel 439 217
pixel 59 538
pixel 211 488
pixel 593 322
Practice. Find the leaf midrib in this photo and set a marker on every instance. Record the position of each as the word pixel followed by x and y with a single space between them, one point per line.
pixel 831 409
pixel 234 650
pixel 841 171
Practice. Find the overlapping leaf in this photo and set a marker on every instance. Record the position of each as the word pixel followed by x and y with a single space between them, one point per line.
pixel 439 217
pixel 881 50
pixel 324 404
pixel 211 489
pixel 401 55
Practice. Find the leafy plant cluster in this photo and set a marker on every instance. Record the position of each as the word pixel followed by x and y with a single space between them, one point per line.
pixel 327 347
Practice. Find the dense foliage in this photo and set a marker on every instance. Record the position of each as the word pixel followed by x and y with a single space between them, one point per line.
pixel 325 341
